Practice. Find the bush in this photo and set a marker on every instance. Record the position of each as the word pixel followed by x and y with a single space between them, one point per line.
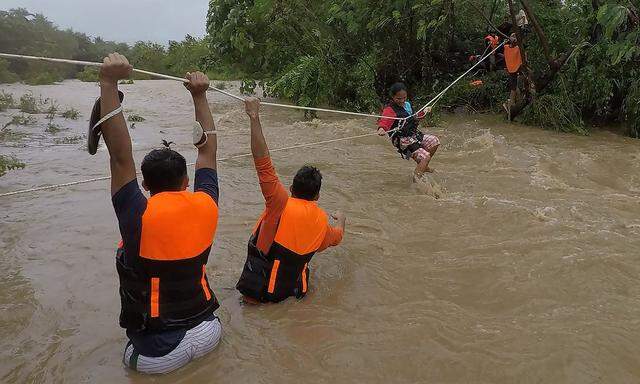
pixel 28 104
pixel 42 78
pixel 486 97
pixel 127 82
pixel 21 120
pixel 72 114
pixel 8 163
pixel 6 101
pixel 221 86
pixel 556 112
pixel 135 118
pixel 52 111
pixel 6 76
pixel 69 139
pixel 89 75
pixel 53 128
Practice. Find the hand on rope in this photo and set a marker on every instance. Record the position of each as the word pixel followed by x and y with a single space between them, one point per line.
pixel 426 108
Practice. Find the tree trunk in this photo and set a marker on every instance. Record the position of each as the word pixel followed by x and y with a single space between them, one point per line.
pixel 539 31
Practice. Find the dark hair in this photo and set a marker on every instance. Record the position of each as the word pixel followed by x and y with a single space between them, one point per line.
pixel 397 87
pixel 164 170
pixel 306 183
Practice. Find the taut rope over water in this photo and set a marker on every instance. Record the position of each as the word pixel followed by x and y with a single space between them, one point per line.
pixel 168 77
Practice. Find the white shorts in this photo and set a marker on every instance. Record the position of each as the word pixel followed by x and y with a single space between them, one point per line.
pixel 196 343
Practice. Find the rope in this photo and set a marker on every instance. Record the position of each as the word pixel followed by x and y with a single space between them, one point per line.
pixel 168 77
pixel 305 145
pixel 183 80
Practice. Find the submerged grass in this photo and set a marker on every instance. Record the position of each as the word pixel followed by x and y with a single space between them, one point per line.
pixel 8 163
pixel 6 101
pixel 53 128
pixel 29 104
pixel 21 120
pixel 72 114
pixel 134 118
pixel 69 139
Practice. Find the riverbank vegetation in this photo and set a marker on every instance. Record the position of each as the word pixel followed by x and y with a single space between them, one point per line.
pixel 582 56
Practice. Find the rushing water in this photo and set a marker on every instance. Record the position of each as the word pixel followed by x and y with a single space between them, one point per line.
pixel 526 270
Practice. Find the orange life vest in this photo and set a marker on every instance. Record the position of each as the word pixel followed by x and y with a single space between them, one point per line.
pixel 166 287
pixel 284 270
pixel 512 58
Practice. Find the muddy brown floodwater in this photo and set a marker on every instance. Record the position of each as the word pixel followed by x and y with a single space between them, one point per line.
pixel 526 270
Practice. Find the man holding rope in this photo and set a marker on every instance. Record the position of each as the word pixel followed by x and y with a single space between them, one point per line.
pixel 167 303
pixel 290 230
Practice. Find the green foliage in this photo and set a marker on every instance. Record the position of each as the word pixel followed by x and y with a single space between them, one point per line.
pixel 555 112
pixel 51 111
pixel 21 120
pixel 6 101
pixel 89 75
pixel 71 113
pixel 22 32
pixel 221 86
pixel 631 109
pixel 69 139
pixel 6 76
pixel 53 128
pixel 186 56
pixel 8 163
pixel 346 53
pixel 487 97
pixel 42 78
pixel 29 104
pixel 127 82
pixel 134 118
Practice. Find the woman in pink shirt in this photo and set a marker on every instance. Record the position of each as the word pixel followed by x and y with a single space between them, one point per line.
pixel 405 135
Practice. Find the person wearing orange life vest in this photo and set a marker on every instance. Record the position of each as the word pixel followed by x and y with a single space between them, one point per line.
pixel 513 62
pixel 492 42
pixel 167 305
pixel 290 231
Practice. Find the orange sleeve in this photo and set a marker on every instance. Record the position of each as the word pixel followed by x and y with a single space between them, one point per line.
pixel 332 238
pixel 275 197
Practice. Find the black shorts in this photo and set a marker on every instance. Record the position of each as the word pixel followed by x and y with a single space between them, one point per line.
pixel 513 81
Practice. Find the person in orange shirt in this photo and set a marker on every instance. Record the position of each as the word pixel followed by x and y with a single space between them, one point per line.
pixel 290 231
pixel 492 41
pixel 167 305
pixel 513 61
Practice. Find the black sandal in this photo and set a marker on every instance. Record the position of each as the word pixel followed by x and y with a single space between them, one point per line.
pixel 94 133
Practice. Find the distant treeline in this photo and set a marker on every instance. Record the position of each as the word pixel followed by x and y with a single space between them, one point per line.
pixel 22 32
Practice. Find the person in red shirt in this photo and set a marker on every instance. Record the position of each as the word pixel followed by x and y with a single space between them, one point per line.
pixel 290 231
pixel 410 142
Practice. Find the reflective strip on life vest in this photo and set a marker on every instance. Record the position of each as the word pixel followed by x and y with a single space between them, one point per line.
pixel 155 297
pixel 205 286
pixel 304 278
pixel 274 274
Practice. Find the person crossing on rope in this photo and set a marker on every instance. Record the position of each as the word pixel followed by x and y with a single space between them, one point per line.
pixel 410 142
pixel 290 231
pixel 167 305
